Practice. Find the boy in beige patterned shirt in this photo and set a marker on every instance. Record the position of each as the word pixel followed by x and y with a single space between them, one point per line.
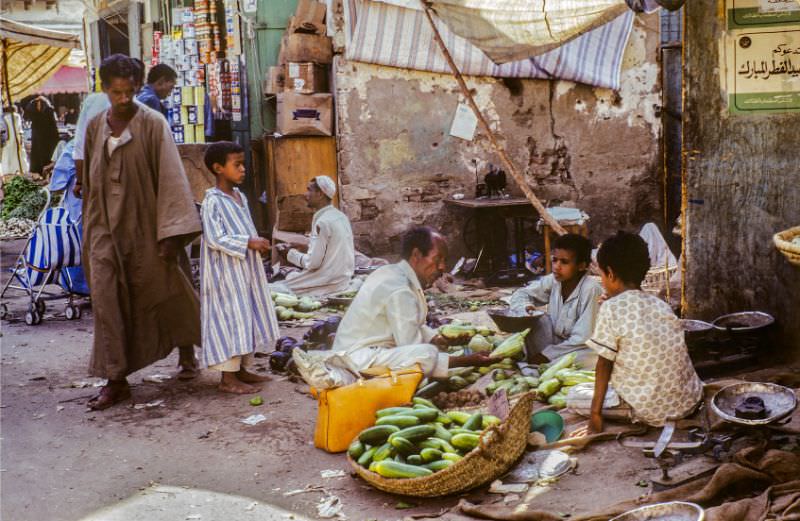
pixel 640 342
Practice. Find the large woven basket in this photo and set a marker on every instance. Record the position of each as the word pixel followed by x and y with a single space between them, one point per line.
pixel 501 446
pixel 783 241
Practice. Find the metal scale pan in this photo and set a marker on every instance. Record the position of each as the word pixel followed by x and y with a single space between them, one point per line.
pixel 779 402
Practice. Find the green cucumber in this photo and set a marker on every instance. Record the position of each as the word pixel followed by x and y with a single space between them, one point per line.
pixel 443 419
pixel 425 414
pixel 403 446
pixel 429 455
pixel 414 459
pixel 398 420
pixel 377 435
pixel 392 469
pixel 422 401
pixel 458 416
pixel 452 456
pixel 391 411
pixel 438 465
pixel 385 451
pixel 489 420
pixel 356 449
pixel 419 432
pixel 365 459
pixel 465 442
pixel 441 432
pixel 474 422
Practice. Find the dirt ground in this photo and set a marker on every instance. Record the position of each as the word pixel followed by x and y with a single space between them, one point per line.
pixel 62 462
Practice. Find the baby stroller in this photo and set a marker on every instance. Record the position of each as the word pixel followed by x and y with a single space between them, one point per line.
pixel 52 255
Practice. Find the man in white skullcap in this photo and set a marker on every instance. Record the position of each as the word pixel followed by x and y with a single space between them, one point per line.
pixel 328 265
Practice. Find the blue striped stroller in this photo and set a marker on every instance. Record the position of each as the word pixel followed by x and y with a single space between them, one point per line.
pixel 52 256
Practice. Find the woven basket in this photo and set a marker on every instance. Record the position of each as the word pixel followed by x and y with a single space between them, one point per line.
pixel 783 241
pixel 501 446
pixel 657 279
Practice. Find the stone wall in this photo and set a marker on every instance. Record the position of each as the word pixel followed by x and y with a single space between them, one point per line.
pixel 742 185
pixel 595 148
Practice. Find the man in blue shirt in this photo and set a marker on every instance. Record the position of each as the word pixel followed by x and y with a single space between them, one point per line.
pixel 160 82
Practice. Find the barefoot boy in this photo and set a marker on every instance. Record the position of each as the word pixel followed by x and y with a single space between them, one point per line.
pixel 237 312
pixel 640 343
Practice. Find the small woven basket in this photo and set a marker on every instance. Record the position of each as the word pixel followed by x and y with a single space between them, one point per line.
pixel 501 446
pixel 783 241
pixel 657 279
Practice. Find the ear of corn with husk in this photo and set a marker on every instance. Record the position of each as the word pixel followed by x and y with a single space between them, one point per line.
pixel 512 347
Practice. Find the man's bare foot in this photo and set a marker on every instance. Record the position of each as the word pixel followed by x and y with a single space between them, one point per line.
pixel 187 363
pixel 231 384
pixel 112 393
pixel 251 378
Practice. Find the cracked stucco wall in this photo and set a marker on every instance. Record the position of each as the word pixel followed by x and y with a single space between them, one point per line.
pixel 595 148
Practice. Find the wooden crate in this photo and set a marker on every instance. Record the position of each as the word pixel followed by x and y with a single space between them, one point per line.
pixel 290 163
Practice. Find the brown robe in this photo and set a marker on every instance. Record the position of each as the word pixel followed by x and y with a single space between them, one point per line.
pixel 143 305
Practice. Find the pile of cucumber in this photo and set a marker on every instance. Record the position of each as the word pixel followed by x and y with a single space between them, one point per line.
pixel 417 440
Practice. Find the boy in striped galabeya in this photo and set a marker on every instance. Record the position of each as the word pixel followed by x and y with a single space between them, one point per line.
pixel 237 312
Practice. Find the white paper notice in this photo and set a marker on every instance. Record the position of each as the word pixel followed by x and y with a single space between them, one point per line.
pixel 778 6
pixel 464 123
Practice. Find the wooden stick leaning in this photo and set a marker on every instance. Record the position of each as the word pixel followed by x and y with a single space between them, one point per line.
pixel 485 126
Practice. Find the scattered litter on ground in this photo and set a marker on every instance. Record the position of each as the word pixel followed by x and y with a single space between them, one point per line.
pixel 194 516
pixel 498 487
pixel 510 498
pixel 309 488
pixel 157 378
pixel 205 435
pixel 83 384
pixel 254 419
pixel 251 507
pixel 37 378
pixel 402 505
pixel 541 465
pixel 38 416
pixel 327 474
pixel 59 408
pixel 256 401
pixel 149 405
pixel 330 506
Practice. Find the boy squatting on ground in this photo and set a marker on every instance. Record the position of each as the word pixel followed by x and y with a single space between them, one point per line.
pixel 236 308
pixel 640 343
pixel 571 296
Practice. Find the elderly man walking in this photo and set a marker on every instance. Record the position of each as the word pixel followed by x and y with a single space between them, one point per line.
pixel 138 213
pixel 329 263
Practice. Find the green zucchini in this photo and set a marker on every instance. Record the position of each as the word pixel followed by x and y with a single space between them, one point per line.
pixel 377 435
pixel 392 469
pixel 398 420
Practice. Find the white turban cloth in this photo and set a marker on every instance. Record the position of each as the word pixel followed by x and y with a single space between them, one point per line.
pixel 326 184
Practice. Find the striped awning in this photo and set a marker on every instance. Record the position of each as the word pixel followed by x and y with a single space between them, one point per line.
pixel 30 56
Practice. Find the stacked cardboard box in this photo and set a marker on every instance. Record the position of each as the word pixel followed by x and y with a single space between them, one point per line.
pixel 300 80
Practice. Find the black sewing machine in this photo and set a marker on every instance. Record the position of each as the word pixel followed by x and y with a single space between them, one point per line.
pixel 494 184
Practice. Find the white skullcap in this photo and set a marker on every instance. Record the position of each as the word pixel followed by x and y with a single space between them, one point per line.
pixel 326 184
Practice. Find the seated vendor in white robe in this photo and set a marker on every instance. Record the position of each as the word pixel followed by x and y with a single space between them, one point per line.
pixel 385 326
pixel 328 264
pixel 571 296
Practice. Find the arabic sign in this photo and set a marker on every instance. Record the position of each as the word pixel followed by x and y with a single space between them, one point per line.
pixel 764 71
pixel 748 14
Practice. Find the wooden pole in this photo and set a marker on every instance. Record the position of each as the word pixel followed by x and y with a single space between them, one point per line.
pixel 523 184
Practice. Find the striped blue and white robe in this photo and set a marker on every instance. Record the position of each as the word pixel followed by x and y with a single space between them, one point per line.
pixel 237 312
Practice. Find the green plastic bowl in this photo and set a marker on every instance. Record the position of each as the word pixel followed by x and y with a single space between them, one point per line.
pixel 549 423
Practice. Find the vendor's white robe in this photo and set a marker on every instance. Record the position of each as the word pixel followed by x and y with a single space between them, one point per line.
pixel 236 307
pixel 569 323
pixel 329 264
pixel 384 327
